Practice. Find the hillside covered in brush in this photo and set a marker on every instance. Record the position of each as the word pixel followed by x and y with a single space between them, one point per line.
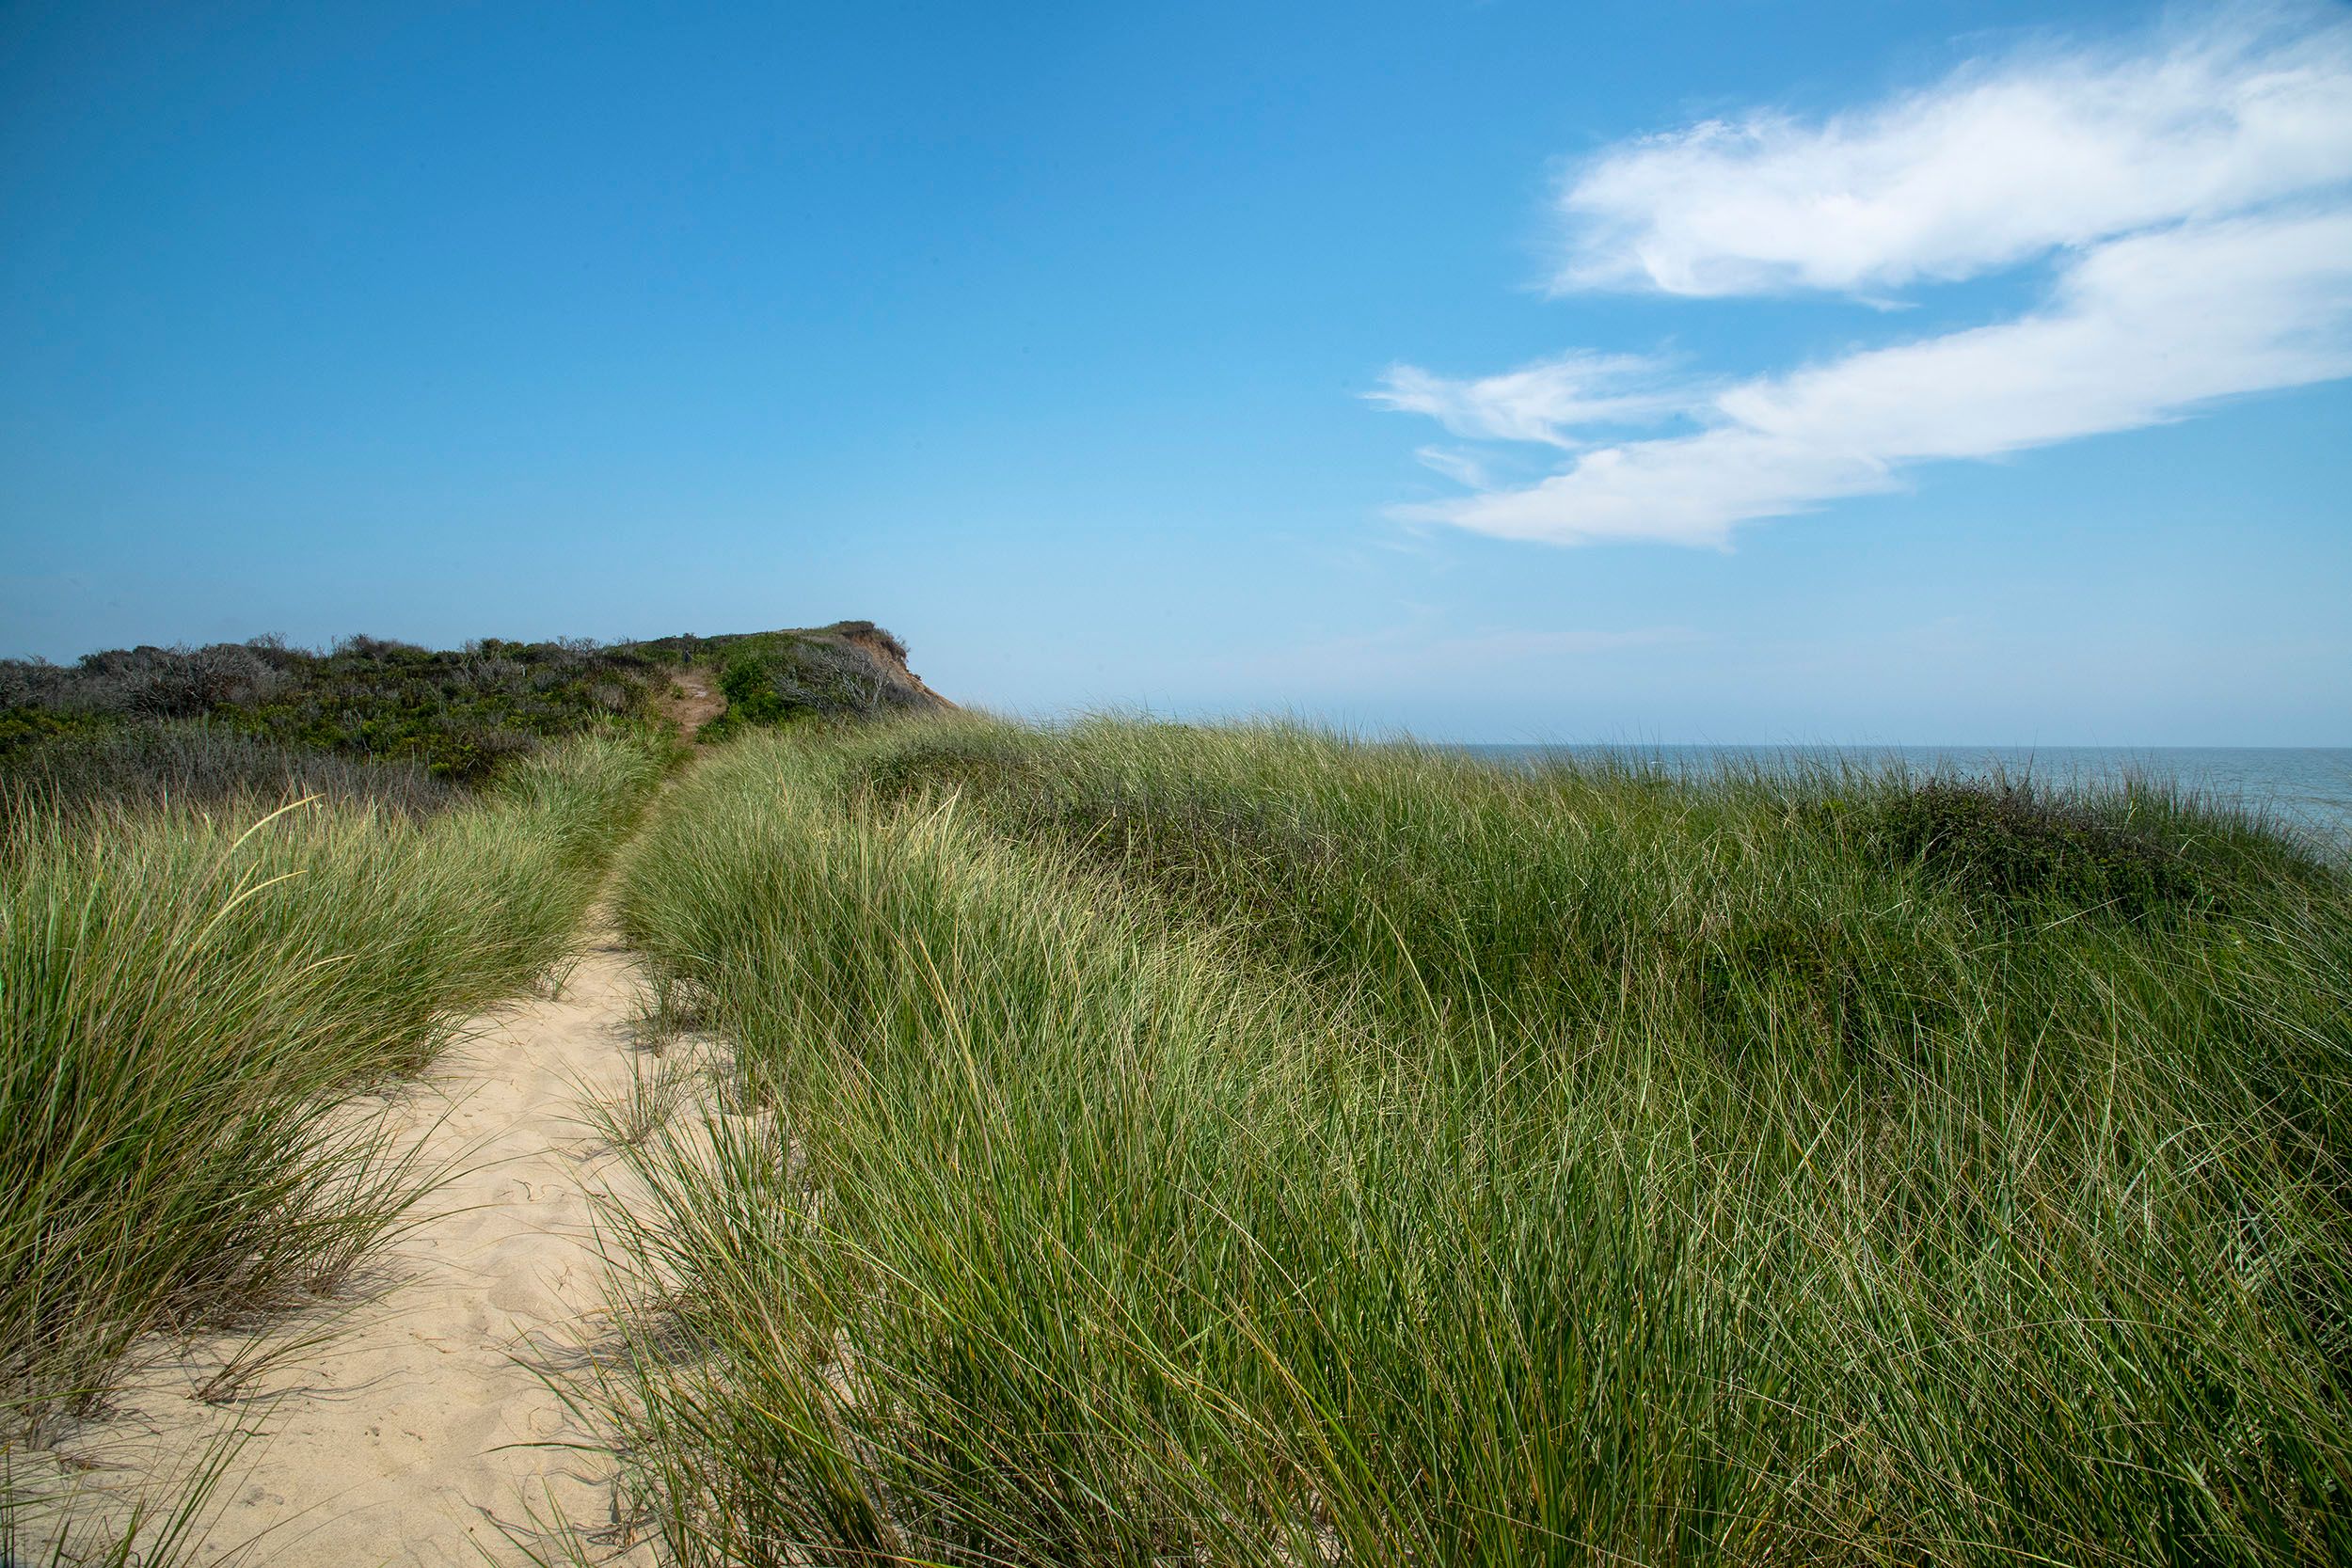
pixel 402 722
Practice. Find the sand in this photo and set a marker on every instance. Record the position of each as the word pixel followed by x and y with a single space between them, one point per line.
pixel 415 1435
pixel 689 704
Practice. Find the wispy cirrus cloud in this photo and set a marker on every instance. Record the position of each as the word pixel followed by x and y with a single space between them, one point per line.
pixel 2193 194
pixel 1543 402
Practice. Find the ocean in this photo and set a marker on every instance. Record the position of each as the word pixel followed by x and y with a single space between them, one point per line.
pixel 2308 788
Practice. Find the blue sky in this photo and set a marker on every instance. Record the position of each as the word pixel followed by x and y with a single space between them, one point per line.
pixel 1930 373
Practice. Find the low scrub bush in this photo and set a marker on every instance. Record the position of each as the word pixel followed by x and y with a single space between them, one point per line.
pixel 772 679
pixel 459 714
pixel 2010 841
pixel 1245 1147
pixel 197 764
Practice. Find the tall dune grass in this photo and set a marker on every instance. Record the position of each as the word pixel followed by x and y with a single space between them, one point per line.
pixel 1245 1146
pixel 186 993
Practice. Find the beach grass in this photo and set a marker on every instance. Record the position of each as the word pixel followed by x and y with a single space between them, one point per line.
pixel 1151 1142
pixel 190 997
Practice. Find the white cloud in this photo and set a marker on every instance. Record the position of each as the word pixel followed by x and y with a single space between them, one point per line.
pixel 2195 195
pixel 1540 402
pixel 1463 467
pixel 1999 162
pixel 2143 330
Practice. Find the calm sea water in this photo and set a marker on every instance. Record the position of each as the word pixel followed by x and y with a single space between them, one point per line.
pixel 2309 788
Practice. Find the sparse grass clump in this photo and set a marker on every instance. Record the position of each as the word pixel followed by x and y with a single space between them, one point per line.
pixel 188 991
pixel 1246 1147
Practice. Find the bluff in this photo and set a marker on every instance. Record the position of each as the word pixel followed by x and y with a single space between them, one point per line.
pixel 849 670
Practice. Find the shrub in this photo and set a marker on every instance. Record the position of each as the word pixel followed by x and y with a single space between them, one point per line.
pixel 2010 841
pixel 200 764
pixel 462 715
pixel 457 713
pixel 779 677
pixel 751 681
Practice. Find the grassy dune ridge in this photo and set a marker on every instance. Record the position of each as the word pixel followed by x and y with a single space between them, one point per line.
pixel 184 991
pixel 1249 1144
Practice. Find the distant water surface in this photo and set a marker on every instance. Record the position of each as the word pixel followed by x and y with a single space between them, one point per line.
pixel 2307 787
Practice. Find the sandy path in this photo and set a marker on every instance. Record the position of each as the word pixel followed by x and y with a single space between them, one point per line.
pixel 394 1444
pixel 691 702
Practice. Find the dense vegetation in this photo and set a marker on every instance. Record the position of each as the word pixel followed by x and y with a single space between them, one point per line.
pixel 773 678
pixel 1151 1144
pixel 128 721
pixel 198 763
pixel 456 713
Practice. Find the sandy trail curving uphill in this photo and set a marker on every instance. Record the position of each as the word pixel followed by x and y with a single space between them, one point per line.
pixel 421 1427
pixel 691 702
